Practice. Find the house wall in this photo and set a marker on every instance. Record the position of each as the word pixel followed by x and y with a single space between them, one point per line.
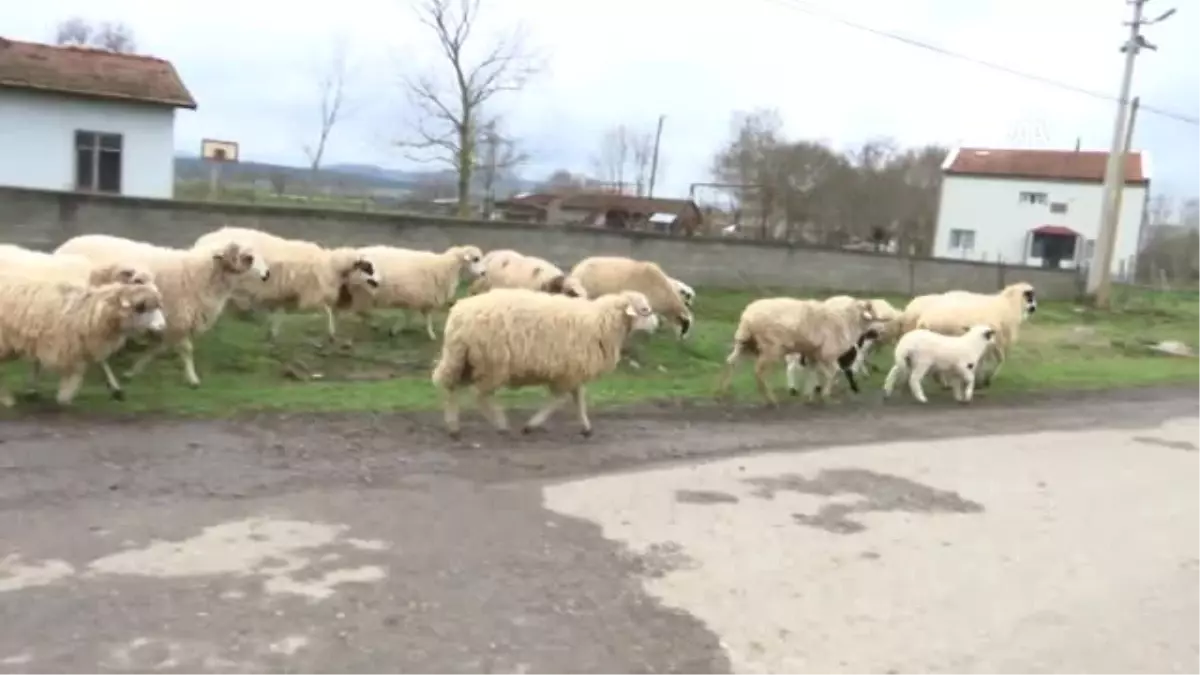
pixel 1001 222
pixel 43 220
pixel 37 133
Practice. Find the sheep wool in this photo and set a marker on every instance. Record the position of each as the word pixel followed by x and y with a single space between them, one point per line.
pixel 418 280
pixel 30 264
pixel 774 327
pixel 195 285
pixel 517 338
pixel 63 326
pixel 304 276
pixel 506 268
pixel 1005 310
pixel 922 350
pixel 599 275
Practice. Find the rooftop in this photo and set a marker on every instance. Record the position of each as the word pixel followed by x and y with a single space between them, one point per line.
pixel 94 73
pixel 1063 165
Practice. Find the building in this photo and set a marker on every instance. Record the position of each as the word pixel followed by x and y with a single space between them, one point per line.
pixel 75 118
pixel 1035 207
pixel 604 209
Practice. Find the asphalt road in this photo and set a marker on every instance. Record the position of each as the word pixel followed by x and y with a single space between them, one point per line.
pixel 1054 534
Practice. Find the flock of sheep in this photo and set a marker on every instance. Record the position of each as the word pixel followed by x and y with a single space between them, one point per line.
pixel 525 321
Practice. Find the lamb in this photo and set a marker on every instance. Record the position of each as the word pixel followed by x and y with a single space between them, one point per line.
pixel 855 361
pixel 774 327
pixel 64 326
pixel 599 275
pixel 506 268
pixel 922 350
pixel 417 280
pixel 304 276
pixel 1005 310
pixel 518 338
pixel 29 264
pixel 195 285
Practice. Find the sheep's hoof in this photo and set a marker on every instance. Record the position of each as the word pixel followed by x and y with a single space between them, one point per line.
pixel 118 394
pixel 586 432
pixel 526 430
pixel 454 434
pixel 194 385
pixel 794 392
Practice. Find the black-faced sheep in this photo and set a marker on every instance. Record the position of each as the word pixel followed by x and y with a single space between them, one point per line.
pixel 1005 310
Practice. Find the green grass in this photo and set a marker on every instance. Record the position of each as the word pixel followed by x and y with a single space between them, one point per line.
pixel 1062 347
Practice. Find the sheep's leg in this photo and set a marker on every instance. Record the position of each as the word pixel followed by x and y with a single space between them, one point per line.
pixel 110 379
pixel 7 399
pixel 957 385
pixel 828 375
pixel 429 324
pixel 893 375
pixel 492 410
pixel 579 396
pixel 330 323
pixel 399 325
pixel 450 409
pixel 727 370
pixel 68 385
pixel 914 383
pixel 987 379
pixel 794 369
pixel 539 417
pixel 185 349
pixel 274 323
pixel 760 378
pixel 143 360
pixel 968 386
pixel 35 376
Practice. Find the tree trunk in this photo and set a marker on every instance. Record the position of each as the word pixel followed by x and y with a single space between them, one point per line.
pixel 466 166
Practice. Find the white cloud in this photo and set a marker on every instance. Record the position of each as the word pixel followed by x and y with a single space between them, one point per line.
pixel 251 64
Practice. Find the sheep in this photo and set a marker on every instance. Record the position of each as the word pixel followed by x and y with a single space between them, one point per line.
pixel 64 326
pixel 599 275
pixel 417 280
pixel 195 285
pixel 518 337
pixel 855 360
pixel 506 268
pixel 1005 309
pixel 18 261
pixel 686 292
pixel 304 276
pixel 922 350
pixel 774 327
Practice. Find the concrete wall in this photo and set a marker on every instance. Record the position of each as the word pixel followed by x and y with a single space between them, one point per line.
pixel 37 135
pixel 43 219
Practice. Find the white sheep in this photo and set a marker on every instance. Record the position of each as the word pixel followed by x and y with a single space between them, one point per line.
pixel 855 360
pixel 195 285
pixel 775 327
pixel 304 276
pixel 417 280
pixel 64 326
pixel 599 275
pixel 506 268
pixel 686 292
pixel 1005 310
pixel 30 264
pixel 922 350
pixel 517 338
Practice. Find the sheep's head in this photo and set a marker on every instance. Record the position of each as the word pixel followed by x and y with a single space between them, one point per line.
pixel 237 259
pixel 685 292
pixel 360 273
pixel 641 314
pixel 1027 294
pixel 884 311
pixel 865 311
pixel 472 258
pixel 139 308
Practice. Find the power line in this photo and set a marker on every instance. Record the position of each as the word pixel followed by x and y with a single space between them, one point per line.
pixel 800 5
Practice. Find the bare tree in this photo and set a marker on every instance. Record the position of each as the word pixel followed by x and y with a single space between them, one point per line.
pixel 449 116
pixel 641 147
pixel 613 156
pixel 111 36
pixel 331 93
pixel 500 156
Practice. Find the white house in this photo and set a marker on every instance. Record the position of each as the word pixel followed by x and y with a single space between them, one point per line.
pixel 1035 207
pixel 74 118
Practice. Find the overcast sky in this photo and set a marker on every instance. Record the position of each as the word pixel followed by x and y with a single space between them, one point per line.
pixel 251 67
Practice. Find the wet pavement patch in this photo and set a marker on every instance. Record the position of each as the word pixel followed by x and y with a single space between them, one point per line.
pixel 704 497
pixel 1186 446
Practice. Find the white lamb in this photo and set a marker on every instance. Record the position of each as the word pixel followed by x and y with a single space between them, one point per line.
pixel 195 285
pixel 921 350
pixel 774 327
pixel 64 326
pixel 517 338
pixel 30 264
pixel 1005 310
pixel 506 268
pixel 417 280
pixel 304 276
pixel 599 275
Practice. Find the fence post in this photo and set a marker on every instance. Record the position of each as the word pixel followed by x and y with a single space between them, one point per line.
pixel 912 276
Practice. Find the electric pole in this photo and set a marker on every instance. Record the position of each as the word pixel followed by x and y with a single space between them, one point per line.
pixel 1100 272
pixel 654 161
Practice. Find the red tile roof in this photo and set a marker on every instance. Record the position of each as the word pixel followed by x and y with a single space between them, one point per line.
pixel 91 72
pixel 1067 165
pixel 1060 230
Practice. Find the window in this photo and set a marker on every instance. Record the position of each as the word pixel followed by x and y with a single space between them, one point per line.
pixel 962 239
pixel 1033 198
pixel 1052 248
pixel 98 161
pixel 1058 207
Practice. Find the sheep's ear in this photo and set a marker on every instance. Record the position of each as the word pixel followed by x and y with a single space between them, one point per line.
pixel 631 310
pixel 125 303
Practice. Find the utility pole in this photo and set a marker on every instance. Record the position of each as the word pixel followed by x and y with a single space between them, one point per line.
pixel 654 161
pixel 1100 273
pixel 1120 188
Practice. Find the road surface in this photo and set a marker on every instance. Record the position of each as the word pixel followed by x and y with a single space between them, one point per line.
pixel 1057 534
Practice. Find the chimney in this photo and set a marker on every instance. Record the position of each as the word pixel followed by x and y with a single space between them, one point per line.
pixel 1077 144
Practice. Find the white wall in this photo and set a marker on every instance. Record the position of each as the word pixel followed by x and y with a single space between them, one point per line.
pixel 991 207
pixel 37 135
